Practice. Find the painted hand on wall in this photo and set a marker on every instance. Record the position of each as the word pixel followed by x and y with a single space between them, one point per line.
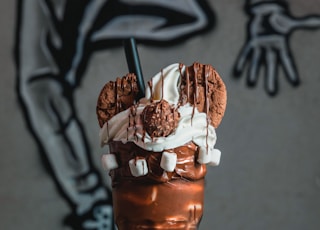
pixel 269 28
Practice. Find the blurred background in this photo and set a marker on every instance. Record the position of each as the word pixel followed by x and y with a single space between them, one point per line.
pixel 268 56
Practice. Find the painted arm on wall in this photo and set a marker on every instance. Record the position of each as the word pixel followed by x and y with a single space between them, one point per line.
pixel 269 28
pixel 54 45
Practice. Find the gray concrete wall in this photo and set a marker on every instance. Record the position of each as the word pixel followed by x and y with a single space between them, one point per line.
pixel 269 176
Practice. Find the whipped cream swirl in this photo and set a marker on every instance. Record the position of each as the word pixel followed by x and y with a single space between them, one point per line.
pixel 193 125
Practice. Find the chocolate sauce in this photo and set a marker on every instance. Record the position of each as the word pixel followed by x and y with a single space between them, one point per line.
pixel 206 76
pixel 195 85
pixel 107 128
pixel 206 102
pixel 188 84
pixel 150 84
pixel 118 101
pixel 187 167
pixel 133 113
pixel 162 83
pixel 129 125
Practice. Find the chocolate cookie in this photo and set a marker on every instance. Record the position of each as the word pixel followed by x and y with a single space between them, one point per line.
pixel 202 87
pixel 116 96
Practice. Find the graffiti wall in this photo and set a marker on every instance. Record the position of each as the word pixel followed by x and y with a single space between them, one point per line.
pixel 58 54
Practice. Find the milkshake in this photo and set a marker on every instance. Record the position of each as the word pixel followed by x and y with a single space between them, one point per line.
pixel 161 145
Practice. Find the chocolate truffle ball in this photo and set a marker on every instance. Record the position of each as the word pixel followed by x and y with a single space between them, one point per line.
pixel 160 119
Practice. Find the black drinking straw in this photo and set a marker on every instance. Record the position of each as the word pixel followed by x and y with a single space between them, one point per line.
pixel 133 63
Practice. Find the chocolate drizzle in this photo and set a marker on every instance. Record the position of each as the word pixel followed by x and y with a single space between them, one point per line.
pixel 207 101
pixel 132 122
pixel 118 102
pixel 162 83
pixel 150 84
pixel 206 76
pixel 195 84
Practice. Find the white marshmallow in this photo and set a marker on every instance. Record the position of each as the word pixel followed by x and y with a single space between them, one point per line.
pixel 109 162
pixel 204 157
pixel 215 157
pixel 138 167
pixel 168 161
